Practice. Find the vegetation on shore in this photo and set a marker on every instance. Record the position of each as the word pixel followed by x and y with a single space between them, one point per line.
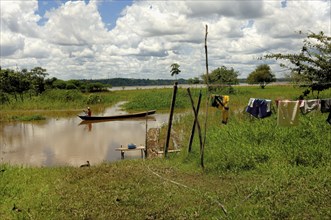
pixel 253 169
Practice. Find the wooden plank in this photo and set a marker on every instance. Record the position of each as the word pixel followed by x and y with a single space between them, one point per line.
pixel 123 149
pixel 169 151
pixel 127 149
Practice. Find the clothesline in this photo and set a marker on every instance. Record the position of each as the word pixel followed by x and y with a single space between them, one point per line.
pixel 282 83
pixel 287 110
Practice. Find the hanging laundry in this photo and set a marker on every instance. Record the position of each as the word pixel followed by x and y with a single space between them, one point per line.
pixel 287 114
pixel 215 99
pixel 307 106
pixel 326 107
pixel 259 108
pixel 225 109
pixel 222 103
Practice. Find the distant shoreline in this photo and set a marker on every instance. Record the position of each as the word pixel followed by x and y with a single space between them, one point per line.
pixel 118 88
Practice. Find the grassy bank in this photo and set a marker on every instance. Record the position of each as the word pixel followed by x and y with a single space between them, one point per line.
pixel 158 189
pixel 253 169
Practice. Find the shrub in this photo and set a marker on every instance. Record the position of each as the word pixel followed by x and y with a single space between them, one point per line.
pixel 4 98
pixel 93 99
pixel 63 95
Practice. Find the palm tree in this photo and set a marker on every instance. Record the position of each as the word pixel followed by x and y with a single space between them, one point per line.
pixel 175 69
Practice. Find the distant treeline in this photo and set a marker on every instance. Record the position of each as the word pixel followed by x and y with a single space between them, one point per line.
pixel 118 82
pixel 115 82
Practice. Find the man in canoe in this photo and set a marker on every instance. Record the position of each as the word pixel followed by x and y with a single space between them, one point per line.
pixel 88 112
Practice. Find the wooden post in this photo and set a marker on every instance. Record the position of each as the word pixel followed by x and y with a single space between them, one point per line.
pixel 170 119
pixel 194 124
pixel 122 153
pixel 206 53
pixel 198 124
pixel 207 101
pixel 146 136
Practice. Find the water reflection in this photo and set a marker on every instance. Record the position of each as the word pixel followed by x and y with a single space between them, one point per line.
pixel 67 141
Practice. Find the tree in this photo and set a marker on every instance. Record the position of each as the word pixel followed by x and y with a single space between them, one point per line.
pixel 175 69
pixel 36 77
pixel 21 81
pixel 222 75
pixel 14 82
pixel 262 75
pixel 5 86
pixel 95 87
pixel 49 82
pixel 59 84
pixel 194 80
pixel 312 65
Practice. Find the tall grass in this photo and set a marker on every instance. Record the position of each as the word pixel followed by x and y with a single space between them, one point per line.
pixel 260 144
pixel 247 143
pixel 159 99
pixel 284 171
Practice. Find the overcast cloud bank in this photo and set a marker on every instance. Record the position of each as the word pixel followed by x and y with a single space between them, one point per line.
pixel 73 41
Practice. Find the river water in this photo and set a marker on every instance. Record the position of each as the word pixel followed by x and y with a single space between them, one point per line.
pixel 67 141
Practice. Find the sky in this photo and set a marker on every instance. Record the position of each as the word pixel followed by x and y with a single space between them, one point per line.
pixel 100 39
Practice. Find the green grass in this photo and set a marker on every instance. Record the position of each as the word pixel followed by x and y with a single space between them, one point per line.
pixel 28 118
pixel 157 99
pixel 163 189
pixel 253 168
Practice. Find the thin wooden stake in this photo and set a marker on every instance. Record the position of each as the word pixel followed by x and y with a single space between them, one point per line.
pixel 206 52
pixel 207 101
pixel 194 124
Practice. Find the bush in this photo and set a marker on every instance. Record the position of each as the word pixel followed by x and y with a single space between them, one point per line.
pixel 71 86
pixel 62 95
pixel 4 98
pixel 93 99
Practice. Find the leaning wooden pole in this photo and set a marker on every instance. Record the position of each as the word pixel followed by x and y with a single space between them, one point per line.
pixel 172 107
pixel 207 100
pixel 197 122
pixel 206 52
pixel 146 137
pixel 194 124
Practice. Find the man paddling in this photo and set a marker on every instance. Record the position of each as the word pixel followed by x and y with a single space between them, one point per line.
pixel 88 112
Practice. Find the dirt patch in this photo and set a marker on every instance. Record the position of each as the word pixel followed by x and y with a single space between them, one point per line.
pixel 156 138
pixel 153 142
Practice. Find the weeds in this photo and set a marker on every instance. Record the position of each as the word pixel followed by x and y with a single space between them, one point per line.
pixel 28 118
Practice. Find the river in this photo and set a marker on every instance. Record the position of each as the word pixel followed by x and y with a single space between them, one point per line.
pixel 66 141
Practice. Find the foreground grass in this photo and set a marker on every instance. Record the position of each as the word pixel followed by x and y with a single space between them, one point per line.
pixel 159 189
pixel 253 170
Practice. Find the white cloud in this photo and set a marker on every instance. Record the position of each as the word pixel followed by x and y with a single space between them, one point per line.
pixel 37 48
pixel 75 23
pixel 10 43
pixel 18 17
pixel 73 42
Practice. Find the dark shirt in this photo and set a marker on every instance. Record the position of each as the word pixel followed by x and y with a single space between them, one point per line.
pixel 259 108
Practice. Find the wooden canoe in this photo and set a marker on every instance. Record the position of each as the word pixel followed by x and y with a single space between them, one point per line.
pixel 123 116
